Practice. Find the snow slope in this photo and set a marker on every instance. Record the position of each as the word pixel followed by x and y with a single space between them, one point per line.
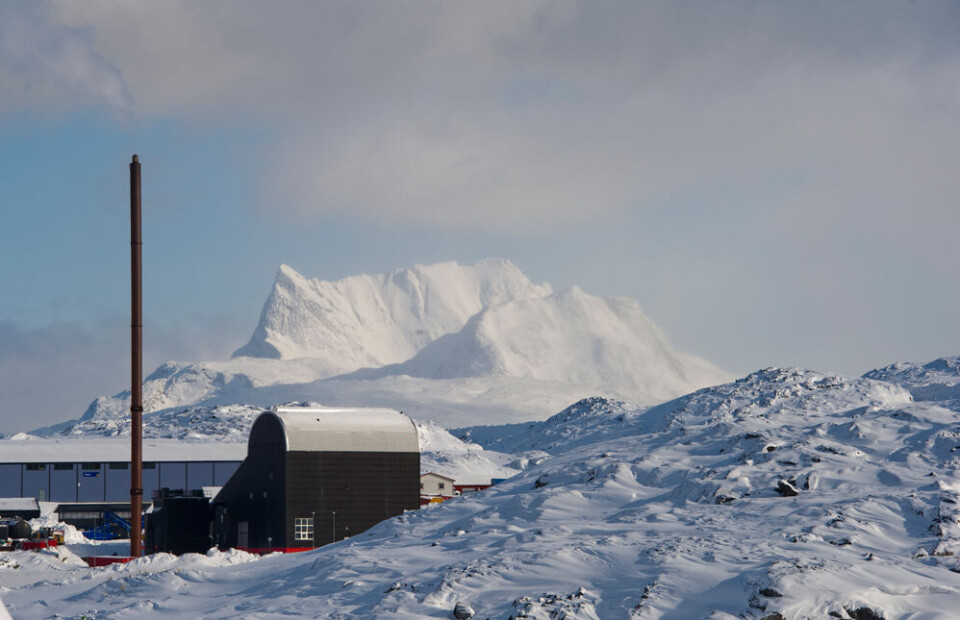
pixel 785 494
pixel 936 380
pixel 177 390
pixel 371 320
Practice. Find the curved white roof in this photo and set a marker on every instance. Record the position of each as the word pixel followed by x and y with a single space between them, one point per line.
pixel 346 430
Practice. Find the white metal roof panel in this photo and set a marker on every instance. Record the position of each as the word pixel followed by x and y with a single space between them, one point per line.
pixel 311 429
pixel 68 450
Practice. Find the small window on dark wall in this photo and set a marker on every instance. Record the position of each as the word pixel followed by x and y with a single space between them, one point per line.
pixel 36 466
pixel 63 466
pixel 303 528
pixel 149 465
pixel 90 466
pixel 119 465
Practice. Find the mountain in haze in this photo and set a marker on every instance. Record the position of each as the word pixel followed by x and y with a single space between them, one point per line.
pixel 455 344
pixel 371 320
pixel 570 336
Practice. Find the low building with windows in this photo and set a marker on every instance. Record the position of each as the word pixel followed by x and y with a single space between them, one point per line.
pixel 97 471
pixel 317 475
pixel 88 477
pixel 435 488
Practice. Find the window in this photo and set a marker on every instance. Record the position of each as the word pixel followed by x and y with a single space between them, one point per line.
pixel 149 465
pixel 441 486
pixel 63 467
pixel 118 465
pixel 36 466
pixel 303 528
pixel 89 465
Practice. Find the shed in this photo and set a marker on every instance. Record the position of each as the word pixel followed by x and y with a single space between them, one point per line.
pixel 432 483
pixel 23 507
pixel 316 475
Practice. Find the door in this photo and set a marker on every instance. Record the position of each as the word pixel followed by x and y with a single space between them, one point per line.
pixel 243 534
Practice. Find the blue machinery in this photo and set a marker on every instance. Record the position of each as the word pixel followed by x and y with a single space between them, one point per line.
pixel 109 529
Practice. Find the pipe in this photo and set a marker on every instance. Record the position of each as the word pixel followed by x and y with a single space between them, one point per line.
pixel 136 364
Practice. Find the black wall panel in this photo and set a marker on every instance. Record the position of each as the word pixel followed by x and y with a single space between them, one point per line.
pixel 349 492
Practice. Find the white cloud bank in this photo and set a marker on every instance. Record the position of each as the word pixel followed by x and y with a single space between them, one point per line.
pixel 515 115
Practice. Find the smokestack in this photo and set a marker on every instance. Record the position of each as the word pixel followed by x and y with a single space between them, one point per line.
pixel 136 363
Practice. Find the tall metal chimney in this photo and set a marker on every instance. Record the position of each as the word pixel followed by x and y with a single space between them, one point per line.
pixel 136 363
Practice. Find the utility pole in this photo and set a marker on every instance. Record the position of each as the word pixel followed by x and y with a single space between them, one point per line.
pixel 136 363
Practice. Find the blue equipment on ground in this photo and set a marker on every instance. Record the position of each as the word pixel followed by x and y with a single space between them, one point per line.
pixel 113 527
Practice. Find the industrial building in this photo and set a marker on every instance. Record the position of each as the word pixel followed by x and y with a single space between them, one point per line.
pixel 88 477
pixel 316 475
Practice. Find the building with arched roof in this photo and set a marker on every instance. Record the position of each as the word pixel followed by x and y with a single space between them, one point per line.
pixel 317 475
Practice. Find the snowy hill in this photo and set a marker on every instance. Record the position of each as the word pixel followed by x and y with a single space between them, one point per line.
pixel 936 380
pixel 570 337
pixel 371 320
pixel 463 345
pixel 785 494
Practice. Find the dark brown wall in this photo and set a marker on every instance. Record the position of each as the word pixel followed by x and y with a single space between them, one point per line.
pixel 363 488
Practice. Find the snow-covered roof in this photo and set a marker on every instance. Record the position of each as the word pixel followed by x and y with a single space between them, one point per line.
pixel 346 430
pixel 436 475
pixel 106 450
pixel 9 505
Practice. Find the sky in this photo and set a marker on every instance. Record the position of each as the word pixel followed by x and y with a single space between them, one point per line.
pixel 776 183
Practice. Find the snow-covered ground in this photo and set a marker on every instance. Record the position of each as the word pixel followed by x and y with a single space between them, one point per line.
pixel 785 494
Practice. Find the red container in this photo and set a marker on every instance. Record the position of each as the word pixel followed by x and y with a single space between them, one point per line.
pixel 106 560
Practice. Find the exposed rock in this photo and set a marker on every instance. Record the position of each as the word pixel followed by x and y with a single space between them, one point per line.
pixel 462 611
pixel 786 489
pixel 865 613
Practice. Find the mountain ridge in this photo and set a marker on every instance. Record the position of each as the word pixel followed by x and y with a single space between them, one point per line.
pixel 371 320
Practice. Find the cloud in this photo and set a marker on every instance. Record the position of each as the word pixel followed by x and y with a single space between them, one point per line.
pixel 791 159
pixel 518 115
pixel 51 65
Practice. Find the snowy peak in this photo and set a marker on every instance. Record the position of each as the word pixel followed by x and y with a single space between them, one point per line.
pixel 372 320
pixel 573 337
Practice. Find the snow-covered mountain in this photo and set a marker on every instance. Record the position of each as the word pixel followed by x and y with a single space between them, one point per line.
pixel 570 337
pixel 371 320
pixel 454 344
pixel 786 494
